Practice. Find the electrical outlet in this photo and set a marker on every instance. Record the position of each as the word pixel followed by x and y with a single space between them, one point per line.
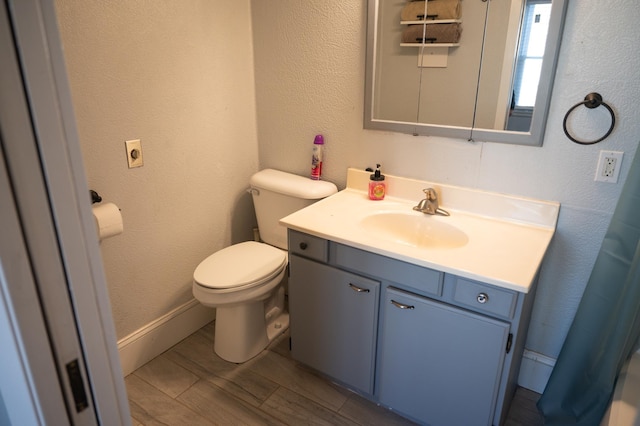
pixel 609 166
pixel 134 153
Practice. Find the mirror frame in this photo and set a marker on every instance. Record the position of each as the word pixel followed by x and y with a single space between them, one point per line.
pixel 535 134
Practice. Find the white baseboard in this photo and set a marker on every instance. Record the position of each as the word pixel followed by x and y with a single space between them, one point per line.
pixel 148 342
pixel 535 371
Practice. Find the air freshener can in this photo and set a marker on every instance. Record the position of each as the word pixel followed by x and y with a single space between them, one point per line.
pixel 316 157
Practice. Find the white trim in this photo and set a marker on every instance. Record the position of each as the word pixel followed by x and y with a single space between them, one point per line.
pixel 148 342
pixel 535 371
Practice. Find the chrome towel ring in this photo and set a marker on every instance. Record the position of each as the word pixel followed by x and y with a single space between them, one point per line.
pixel 592 100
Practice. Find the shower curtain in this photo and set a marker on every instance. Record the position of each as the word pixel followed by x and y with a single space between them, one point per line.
pixel 607 324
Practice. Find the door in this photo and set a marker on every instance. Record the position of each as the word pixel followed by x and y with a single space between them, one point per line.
pixel 439 364
pixel 56 330
pixel 28 367
pixel 333 321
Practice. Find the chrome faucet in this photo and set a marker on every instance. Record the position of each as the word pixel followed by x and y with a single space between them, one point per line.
pixel 430 204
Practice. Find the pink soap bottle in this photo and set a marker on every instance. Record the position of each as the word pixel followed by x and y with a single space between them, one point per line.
pixel 316 158
pixel 377 185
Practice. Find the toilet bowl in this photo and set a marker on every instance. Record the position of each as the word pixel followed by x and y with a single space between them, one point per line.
pixel 244 281
pixel 238 281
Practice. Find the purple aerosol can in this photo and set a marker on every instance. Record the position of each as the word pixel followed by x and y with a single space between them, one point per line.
pixel 316 158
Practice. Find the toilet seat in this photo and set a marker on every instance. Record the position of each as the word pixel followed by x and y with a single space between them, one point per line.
pixel 240 266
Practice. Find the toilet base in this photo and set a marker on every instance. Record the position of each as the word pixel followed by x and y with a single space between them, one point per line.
pixel 243 331
pixel 279 326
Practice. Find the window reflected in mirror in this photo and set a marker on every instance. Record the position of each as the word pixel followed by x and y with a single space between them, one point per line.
pixel 535 26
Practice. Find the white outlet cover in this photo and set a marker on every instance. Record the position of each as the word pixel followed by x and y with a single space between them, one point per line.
pixel 609 165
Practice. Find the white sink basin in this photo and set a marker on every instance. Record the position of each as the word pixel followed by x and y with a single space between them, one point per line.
pixel 493 238
pixel 414 229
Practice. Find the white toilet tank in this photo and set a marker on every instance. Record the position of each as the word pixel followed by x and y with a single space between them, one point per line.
pixel 277 194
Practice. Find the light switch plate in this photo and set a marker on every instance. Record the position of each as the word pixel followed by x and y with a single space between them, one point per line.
pixel 134 153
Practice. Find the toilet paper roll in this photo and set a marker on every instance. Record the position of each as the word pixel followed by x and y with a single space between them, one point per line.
pixel 108 220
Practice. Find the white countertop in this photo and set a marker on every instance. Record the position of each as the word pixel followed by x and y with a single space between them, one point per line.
pixel 507 236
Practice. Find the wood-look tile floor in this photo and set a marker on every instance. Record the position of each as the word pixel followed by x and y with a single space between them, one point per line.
pixel 190 385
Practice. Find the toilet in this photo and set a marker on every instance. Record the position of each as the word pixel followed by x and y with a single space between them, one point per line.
pixel 244 282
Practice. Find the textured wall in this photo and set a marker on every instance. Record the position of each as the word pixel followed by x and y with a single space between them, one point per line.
pixel 310 57
pixel 179 76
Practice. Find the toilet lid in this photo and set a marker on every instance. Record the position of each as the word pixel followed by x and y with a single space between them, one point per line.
pixel 239 265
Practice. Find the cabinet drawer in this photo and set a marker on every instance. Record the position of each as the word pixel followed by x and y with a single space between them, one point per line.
pixel 419 279
pixel 308 246
pixel 485 298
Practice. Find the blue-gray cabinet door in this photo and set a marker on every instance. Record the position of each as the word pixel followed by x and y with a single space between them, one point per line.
pixel 439 364
pixel 333 321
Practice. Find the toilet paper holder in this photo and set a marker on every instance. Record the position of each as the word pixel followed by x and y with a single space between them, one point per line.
pixel 95 197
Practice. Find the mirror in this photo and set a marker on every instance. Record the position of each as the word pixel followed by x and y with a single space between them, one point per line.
pixel 490 82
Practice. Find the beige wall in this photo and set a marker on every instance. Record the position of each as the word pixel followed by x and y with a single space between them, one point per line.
pixel 310 78
pixel 178 76
pixel 181 78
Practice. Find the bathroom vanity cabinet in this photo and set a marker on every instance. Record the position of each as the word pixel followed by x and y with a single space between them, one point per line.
pixel 336 314
pixel 435 347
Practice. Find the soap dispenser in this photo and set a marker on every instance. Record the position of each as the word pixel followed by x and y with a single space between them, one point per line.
pixel 377 186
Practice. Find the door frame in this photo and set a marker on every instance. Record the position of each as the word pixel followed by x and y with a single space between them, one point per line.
pixel 45 174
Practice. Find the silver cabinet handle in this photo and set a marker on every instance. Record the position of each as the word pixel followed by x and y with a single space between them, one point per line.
pixel 358 289
pixel 482 298
pixel 401 305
